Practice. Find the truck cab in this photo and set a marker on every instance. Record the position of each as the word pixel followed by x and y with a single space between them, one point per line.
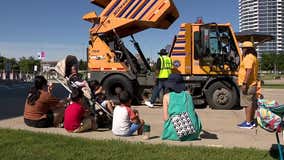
pixel 208 56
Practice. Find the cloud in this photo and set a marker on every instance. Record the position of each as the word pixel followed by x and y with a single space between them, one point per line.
pixel 54 51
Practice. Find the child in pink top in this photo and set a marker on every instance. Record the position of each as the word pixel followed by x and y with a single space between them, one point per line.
pixel 77 118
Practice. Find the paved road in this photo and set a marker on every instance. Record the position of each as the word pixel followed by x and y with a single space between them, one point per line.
pixel 13 97
pixel 219 126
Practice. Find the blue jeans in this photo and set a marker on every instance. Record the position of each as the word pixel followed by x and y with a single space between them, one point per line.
pixel 133 128
pixel 157 89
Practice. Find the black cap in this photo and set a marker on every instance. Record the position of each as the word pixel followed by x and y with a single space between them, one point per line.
pixel 176 83
pixel 163 52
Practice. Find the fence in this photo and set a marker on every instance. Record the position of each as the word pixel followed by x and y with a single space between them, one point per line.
pixel 29 76
pixel 17 76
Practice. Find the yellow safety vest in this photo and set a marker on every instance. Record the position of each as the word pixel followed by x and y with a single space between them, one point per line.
pixel 166 67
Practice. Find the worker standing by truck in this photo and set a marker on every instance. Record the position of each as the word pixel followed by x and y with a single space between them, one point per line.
pixel 247 80
pixel 163 71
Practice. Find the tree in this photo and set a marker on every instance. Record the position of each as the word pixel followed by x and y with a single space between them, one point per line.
pixel 14 64
pixel 2 62
pixel 267 62
pixel 280 62
pixel 82 65
pixel 272 61
pixel 27 64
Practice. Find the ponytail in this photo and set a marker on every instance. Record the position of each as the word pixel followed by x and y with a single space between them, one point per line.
pixel 34 93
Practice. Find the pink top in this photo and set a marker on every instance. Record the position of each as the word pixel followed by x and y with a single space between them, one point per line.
pixel 73 116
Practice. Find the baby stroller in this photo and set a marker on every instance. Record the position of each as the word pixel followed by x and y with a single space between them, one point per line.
pixel 269 116
pixel 61 74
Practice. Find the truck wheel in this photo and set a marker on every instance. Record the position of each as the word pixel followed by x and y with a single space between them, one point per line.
pixel 114 84
pixel 222 95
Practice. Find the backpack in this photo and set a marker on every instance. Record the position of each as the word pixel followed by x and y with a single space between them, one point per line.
pixel 269 115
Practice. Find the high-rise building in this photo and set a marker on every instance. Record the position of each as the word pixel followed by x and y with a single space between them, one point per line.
pixel 265 16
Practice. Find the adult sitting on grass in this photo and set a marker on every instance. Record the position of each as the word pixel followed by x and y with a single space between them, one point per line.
pixel 176 102
pixel 41 108
pixel 76 118
pixel 125 120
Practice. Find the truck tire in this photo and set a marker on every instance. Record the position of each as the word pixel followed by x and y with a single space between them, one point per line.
pixel 114 84
pixel 222 95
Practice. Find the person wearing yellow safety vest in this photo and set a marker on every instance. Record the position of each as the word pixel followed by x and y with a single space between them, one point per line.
pixel 163 71
pixel 247 80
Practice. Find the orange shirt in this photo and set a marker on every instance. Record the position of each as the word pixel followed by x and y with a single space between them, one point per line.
pixel 249 62
pixel 45 103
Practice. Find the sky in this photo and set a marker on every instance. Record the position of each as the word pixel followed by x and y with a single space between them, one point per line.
pixel 56 26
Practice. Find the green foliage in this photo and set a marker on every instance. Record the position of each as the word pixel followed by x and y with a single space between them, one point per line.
pixel 12 62
pixel 82 65
pixel 27 64
pixel 271 60
pixel 273 86
pixel 2 62
pixel 26 145
pixel 23 64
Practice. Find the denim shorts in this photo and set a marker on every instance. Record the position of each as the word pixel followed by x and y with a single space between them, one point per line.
pixel 133 128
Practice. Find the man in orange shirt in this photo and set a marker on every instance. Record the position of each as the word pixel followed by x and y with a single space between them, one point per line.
pixel 247 81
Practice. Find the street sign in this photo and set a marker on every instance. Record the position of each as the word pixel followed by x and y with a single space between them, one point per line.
pixel 35 68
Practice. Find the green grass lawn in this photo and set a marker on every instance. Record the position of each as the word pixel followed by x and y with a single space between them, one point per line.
pixel 273 86
pixel 26 145
pixel 269 76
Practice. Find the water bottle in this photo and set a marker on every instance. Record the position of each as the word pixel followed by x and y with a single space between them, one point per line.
pixel 146 131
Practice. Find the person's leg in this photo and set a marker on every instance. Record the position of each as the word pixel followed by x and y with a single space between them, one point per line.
pixel 43 123
pixel 163 86
pixel 253 104
pixel 248 113
pixel 248 101
pixel 133 128
pixel 86 124
pixel 156 92
pixel 94 123
pixel 112 103
pixel 140 129
pixel 109 106
pixel 58 115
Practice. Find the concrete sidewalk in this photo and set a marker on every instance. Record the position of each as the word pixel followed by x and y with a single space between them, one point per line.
pixel 219 126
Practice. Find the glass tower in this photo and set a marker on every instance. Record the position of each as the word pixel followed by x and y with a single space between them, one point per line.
pixel 265 16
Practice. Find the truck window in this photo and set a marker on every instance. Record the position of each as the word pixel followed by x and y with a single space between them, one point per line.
pixel 197 45
pixel 213 43
pixel 206 43
pixel 215 46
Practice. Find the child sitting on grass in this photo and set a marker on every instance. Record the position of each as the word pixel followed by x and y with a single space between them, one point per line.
pixel 126 121
pixel 100 97
pixel 76 118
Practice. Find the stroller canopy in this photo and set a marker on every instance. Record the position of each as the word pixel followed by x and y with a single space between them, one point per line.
pixel 63 66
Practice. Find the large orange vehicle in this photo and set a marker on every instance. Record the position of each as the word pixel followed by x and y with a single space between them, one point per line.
pixel 109 61
pixel 207 55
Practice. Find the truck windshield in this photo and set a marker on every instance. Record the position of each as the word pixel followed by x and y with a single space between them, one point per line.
pixel 217 43
pixel 214 40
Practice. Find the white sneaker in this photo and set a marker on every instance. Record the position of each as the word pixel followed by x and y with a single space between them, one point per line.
pixel 149 104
